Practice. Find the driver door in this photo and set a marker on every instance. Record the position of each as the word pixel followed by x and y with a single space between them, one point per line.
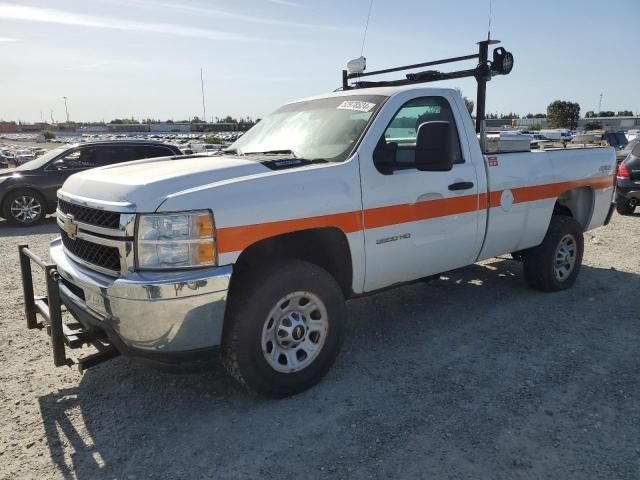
pixel 417 223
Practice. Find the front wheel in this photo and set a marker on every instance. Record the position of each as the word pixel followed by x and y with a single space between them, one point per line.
pixel 554 265
pixel 284 327
pixel 24 208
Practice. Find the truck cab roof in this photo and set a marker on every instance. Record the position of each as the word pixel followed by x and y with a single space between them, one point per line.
pixel 383 91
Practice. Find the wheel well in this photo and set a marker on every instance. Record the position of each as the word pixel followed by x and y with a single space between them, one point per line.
pixel 325 247
pixel 577 203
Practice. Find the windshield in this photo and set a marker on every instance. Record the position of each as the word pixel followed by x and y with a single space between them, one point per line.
pixel 41 160
pixel 327 128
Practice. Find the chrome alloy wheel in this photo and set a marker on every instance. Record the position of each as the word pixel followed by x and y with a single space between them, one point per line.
pixel 565 257
pixel 26 208
pixel 294 332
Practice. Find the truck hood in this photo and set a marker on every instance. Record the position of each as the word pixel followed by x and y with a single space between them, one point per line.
pixel 145 184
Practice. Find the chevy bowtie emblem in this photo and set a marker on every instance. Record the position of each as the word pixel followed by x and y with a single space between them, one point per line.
pixel 70 228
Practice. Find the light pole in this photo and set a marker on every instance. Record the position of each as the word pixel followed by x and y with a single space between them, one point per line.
pixel 599 105
pixel 66 109
pixel 204 111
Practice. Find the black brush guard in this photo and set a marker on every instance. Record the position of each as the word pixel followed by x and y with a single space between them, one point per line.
pixel 50 308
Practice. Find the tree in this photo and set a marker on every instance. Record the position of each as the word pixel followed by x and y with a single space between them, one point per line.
pixel 122 121
pixel 607 113
pixel 215 140
pixel 624 113
pixel 196 119
pixel 592 126
pixel 563 114
pixel 534 128
pixel 48 135
pixel 590 114
pixel 467 102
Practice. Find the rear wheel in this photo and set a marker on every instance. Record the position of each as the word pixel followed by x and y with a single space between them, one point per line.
pixel 284 327
pixel 624 206
pixel 554 265
pixel 24 208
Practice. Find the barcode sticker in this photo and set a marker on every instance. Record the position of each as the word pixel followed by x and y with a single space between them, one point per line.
pixel 356 106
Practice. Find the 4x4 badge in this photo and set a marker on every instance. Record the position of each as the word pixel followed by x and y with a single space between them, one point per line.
pixel 70 228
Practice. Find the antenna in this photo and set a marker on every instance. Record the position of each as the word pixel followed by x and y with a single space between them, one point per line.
pixel 366 27
pixel 489 29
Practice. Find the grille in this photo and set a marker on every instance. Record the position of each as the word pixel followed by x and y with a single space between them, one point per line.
pixel 99 255
pixel 92 216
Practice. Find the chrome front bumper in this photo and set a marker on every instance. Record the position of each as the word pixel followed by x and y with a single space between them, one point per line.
pixel 152 314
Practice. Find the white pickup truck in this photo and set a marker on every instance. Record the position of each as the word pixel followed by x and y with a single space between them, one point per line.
pixel 254 252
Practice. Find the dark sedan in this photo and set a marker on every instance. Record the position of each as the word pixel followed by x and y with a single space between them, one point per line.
pixel 28 192
pixel 628 183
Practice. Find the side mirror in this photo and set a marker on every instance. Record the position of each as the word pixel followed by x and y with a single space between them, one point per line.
pixel 384 156
pixel 59 164
pixel 433 147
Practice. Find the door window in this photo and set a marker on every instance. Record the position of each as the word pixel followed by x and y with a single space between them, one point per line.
pixel 152 152
pixel 111 155
pixel 79 159
pixel 403 129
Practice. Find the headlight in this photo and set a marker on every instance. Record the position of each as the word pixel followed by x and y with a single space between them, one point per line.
pixel 176 240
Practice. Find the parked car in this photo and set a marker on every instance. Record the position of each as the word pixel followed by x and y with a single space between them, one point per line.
pixel 624 152
pixel 628 182
pixel 28 192
pixel 327 198
pixel 558 134
pixel 617 140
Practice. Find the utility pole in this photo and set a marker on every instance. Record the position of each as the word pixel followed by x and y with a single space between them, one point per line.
pixel 52 121
pixel 599 106
pixel 204 111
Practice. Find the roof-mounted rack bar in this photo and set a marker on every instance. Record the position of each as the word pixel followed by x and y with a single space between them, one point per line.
pixel 501 64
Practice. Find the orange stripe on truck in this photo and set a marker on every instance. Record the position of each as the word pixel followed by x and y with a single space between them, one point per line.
pixel 412 212
pixel 234 239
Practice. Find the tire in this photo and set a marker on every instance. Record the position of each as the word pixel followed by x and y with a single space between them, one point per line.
pixel 554 265
pixel 263 347
pixel 517 256
pixel 623 207
pixel 24 208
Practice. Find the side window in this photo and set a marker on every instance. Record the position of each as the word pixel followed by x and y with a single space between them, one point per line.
pixel 403 129
pixel 150 152
pixel 111 155
pixel 79 159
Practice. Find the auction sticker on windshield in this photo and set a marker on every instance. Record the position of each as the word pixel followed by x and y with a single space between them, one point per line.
pixel 356 106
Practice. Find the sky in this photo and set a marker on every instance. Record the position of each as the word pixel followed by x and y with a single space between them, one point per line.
pixel 142 58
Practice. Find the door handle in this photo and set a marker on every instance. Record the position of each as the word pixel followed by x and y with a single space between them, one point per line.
pixel 461 186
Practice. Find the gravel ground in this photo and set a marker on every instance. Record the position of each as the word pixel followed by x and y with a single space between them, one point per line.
pixel 471 376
